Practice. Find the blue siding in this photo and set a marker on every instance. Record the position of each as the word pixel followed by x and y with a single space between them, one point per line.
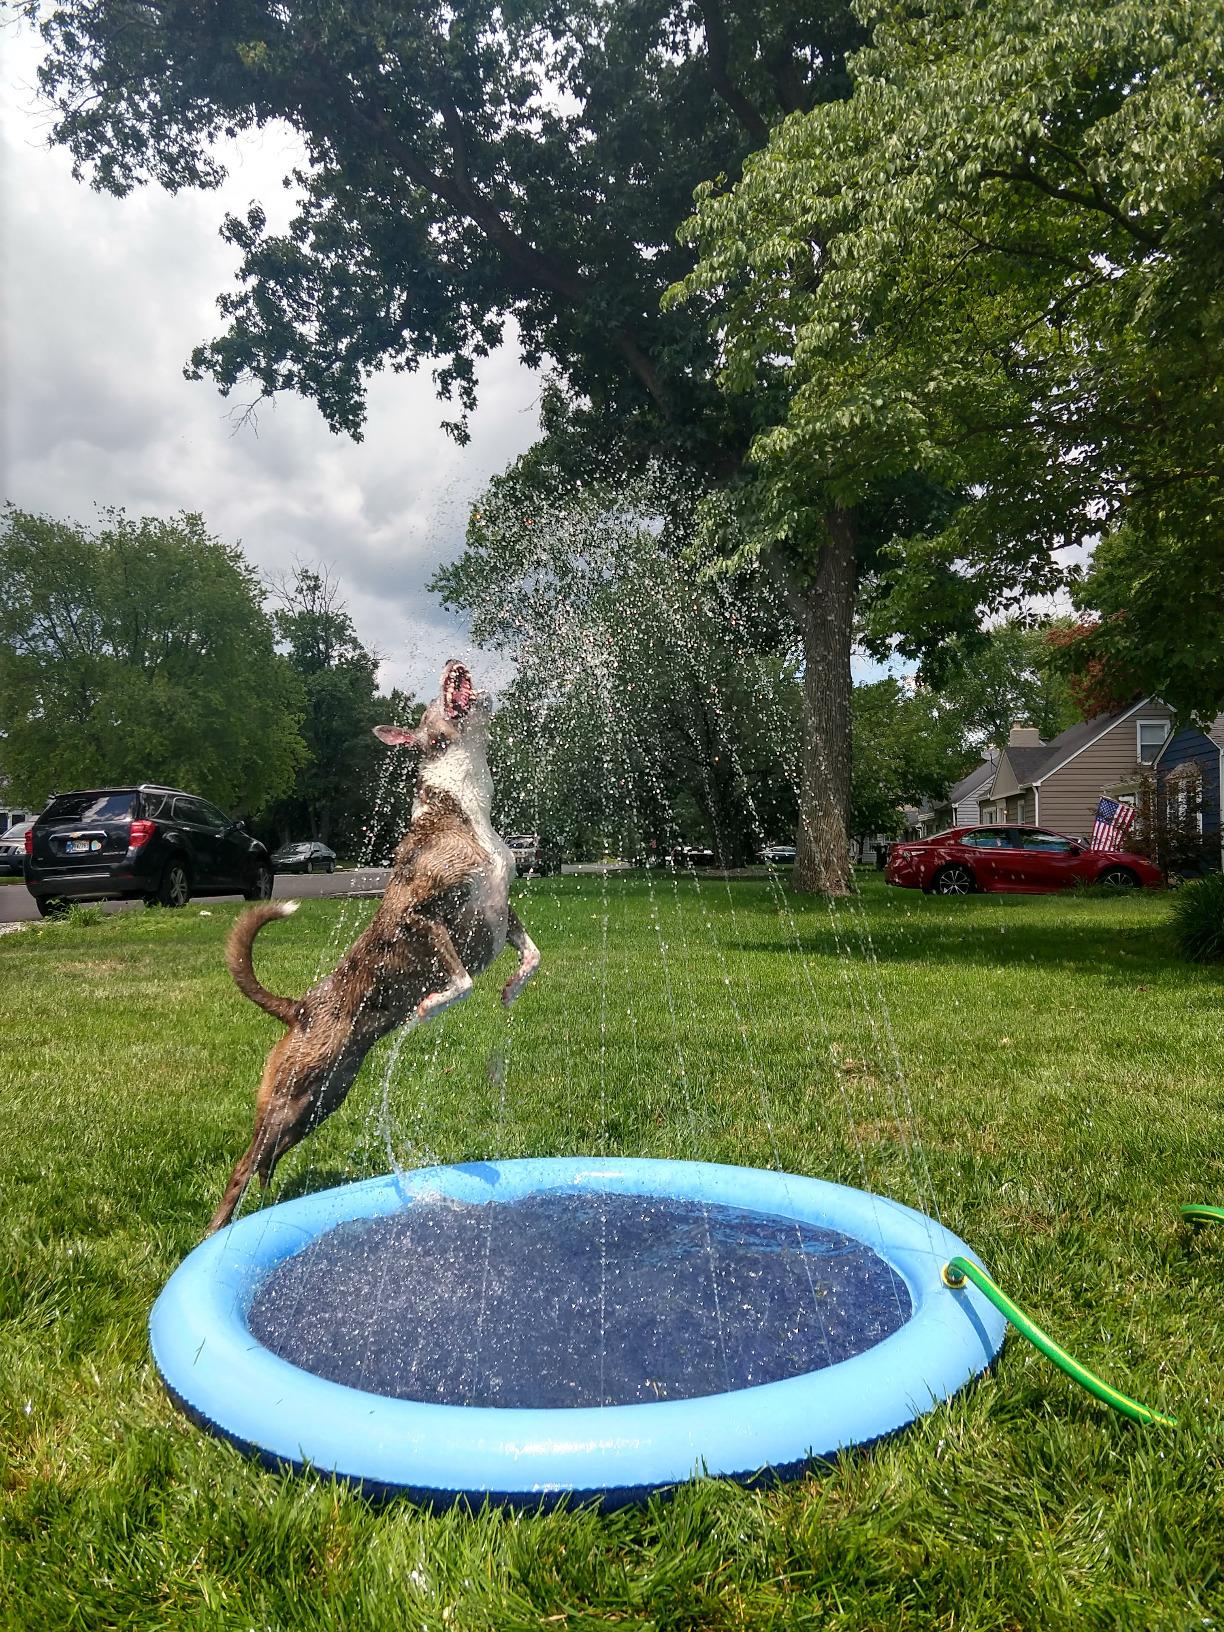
pixel 1190 746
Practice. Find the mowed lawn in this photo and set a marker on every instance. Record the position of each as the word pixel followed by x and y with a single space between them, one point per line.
pixel 1044 1071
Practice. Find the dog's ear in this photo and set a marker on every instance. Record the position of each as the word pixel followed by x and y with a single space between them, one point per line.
pixel 398 736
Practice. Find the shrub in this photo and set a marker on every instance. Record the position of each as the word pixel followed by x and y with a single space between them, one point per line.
pixel 1198 919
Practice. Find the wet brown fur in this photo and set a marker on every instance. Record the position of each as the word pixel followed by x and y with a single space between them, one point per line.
pixel 424 938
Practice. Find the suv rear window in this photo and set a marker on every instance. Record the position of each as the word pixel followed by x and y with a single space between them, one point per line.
pixel 91 807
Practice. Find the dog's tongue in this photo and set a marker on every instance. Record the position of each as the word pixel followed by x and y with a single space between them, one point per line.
pixel 462 694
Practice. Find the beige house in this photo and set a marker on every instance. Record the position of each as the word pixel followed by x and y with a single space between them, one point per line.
pixel 1058 784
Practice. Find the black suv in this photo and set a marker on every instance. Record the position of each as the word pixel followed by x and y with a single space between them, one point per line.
pixel 159 844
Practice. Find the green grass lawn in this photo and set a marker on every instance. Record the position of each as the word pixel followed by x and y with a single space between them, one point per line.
pixel 1042 1070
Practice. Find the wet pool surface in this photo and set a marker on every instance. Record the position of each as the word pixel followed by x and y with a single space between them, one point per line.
pixel 574 1299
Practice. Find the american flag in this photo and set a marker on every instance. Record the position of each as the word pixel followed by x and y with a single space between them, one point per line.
pixel 1111 825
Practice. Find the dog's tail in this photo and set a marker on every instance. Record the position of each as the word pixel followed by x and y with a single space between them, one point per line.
pixel 238 958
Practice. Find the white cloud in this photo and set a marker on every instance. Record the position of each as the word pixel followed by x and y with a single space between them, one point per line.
pixel 103 300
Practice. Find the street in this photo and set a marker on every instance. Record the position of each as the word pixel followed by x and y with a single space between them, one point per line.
pixel 17 904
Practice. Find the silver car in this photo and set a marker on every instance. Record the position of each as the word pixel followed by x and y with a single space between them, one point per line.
pixel 12 847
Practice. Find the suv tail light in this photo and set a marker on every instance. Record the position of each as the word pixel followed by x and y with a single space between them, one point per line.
pixel 141 833
pixel 29 841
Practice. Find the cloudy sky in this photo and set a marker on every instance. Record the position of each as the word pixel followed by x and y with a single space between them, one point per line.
pixel 103 300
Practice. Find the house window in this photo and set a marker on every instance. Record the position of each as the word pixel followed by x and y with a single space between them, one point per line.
pixel 1185 803
pixel 1149 739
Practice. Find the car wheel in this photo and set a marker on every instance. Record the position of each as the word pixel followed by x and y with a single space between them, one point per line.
pixel 331 866
pixel 175 890
pixel 51 906
pixel 261 886
pixel 954 880
pixel 1119 878
pixel 309 867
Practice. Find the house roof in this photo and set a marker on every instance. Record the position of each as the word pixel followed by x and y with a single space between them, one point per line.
pixel 1078 736
pixel 1033 765
pixel 979 776
pixel 1026 763
pixel 1216 731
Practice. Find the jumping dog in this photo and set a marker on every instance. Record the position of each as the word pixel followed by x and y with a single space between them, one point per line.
pixel 445 916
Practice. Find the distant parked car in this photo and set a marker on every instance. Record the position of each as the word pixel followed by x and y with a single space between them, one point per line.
pixel 308 857
pixel 12 847
pixel 532 854
pixel 966 859
pixel 152 843
pixel 778 854
pixel 692 855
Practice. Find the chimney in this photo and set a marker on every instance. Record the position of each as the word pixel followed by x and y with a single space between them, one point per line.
pixel 1024 736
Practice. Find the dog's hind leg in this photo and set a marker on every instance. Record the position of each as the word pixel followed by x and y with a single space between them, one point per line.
pixel 529 958
pixel 281 1123
pixel 240 1178
pixel 286 1108
pixel 272 1139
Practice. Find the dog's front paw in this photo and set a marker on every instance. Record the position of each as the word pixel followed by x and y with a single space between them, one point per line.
pixel 437 1001
pixel 527 967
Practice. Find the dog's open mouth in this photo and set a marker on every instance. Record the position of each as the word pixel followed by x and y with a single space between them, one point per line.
pixel 456 690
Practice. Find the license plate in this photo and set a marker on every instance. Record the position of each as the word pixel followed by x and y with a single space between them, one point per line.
pixel 77 847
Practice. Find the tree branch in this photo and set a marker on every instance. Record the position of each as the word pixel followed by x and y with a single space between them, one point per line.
pixel 788 81
pixel 717 54
pixel 465 199
pixel 1095 201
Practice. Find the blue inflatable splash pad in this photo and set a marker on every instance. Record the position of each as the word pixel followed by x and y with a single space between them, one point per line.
pixel 529 1329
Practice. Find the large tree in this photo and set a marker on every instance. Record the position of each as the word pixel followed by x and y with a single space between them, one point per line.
pixel 1000 265
pixel 467 162
pixel 472 163
pixel 140 651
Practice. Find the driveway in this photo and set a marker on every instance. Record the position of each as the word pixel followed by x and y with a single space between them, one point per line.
pixel 17 904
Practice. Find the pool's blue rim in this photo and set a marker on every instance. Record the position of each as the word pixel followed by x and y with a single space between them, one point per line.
pixel 217 1371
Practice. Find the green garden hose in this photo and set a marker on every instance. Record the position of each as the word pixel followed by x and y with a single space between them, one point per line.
pixel 959 1270
pixel 1200 1212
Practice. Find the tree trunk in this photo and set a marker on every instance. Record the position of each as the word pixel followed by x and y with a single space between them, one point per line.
pixel 823 607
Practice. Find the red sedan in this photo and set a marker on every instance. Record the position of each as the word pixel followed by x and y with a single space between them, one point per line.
pixel 1011 858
